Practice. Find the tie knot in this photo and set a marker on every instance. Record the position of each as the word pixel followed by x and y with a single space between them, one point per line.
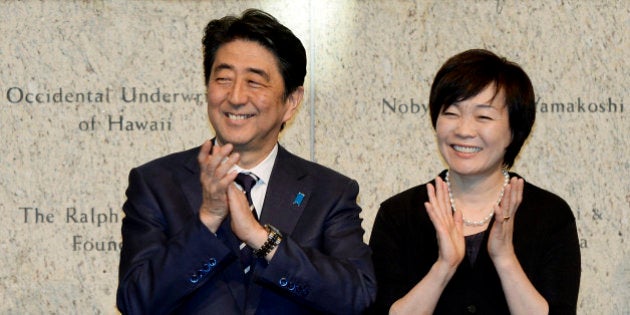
pixel 246 180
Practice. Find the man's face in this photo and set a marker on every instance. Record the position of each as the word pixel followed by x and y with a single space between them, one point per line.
pixel 245 97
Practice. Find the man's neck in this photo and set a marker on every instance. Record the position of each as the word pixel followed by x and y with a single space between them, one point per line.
pixel 250 157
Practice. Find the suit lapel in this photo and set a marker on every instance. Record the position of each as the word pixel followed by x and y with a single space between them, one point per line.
pixel 190 184
pixel 288 193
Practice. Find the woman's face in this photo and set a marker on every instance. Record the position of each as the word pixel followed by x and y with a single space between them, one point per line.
pixel 473 134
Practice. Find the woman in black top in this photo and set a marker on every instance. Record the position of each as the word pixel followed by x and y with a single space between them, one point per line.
pixel 488 242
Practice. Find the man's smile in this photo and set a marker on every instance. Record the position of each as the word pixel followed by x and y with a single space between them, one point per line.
pixel 239 116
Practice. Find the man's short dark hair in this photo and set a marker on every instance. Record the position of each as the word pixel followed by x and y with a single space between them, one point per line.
pixel 469 73
pixel 262 28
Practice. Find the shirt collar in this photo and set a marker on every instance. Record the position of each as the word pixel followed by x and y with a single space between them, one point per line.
pixel 263 169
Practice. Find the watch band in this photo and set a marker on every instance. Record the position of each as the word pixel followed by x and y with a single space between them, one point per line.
pixel 273 239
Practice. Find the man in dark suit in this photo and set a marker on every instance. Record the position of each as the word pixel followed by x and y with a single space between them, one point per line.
pixel 195 242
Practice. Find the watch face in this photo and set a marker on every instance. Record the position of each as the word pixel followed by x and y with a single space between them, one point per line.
pixel 273 228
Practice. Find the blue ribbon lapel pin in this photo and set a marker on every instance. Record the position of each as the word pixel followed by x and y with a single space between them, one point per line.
pixel 298 199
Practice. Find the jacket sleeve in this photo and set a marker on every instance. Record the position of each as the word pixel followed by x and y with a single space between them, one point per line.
pixel 547 245
pixel 559 277
pixel 404 246
pixel 167 252
pixel 387 256
pixel 325 263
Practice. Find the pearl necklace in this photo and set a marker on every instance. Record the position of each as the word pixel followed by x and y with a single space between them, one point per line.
pixel 487 218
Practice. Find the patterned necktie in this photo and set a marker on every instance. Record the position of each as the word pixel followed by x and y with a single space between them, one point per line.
pixel 247 181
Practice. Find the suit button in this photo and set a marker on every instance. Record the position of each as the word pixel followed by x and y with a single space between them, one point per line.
pixel 212 262
pixel 283 282
pixel 206 268
pixel 194 278
pixel 471 309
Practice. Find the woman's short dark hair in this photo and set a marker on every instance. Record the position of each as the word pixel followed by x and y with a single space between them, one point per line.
pixel 261 27
pixel 468 73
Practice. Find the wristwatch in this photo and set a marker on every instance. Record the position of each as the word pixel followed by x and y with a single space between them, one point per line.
pixel 274 237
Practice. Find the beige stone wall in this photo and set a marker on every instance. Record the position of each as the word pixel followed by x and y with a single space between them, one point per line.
pixel 65 162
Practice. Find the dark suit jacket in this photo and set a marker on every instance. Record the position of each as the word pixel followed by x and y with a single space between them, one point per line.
pixel 172 264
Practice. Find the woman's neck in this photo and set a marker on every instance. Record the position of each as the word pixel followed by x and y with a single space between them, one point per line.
pixel 475 197
pixel 476 188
